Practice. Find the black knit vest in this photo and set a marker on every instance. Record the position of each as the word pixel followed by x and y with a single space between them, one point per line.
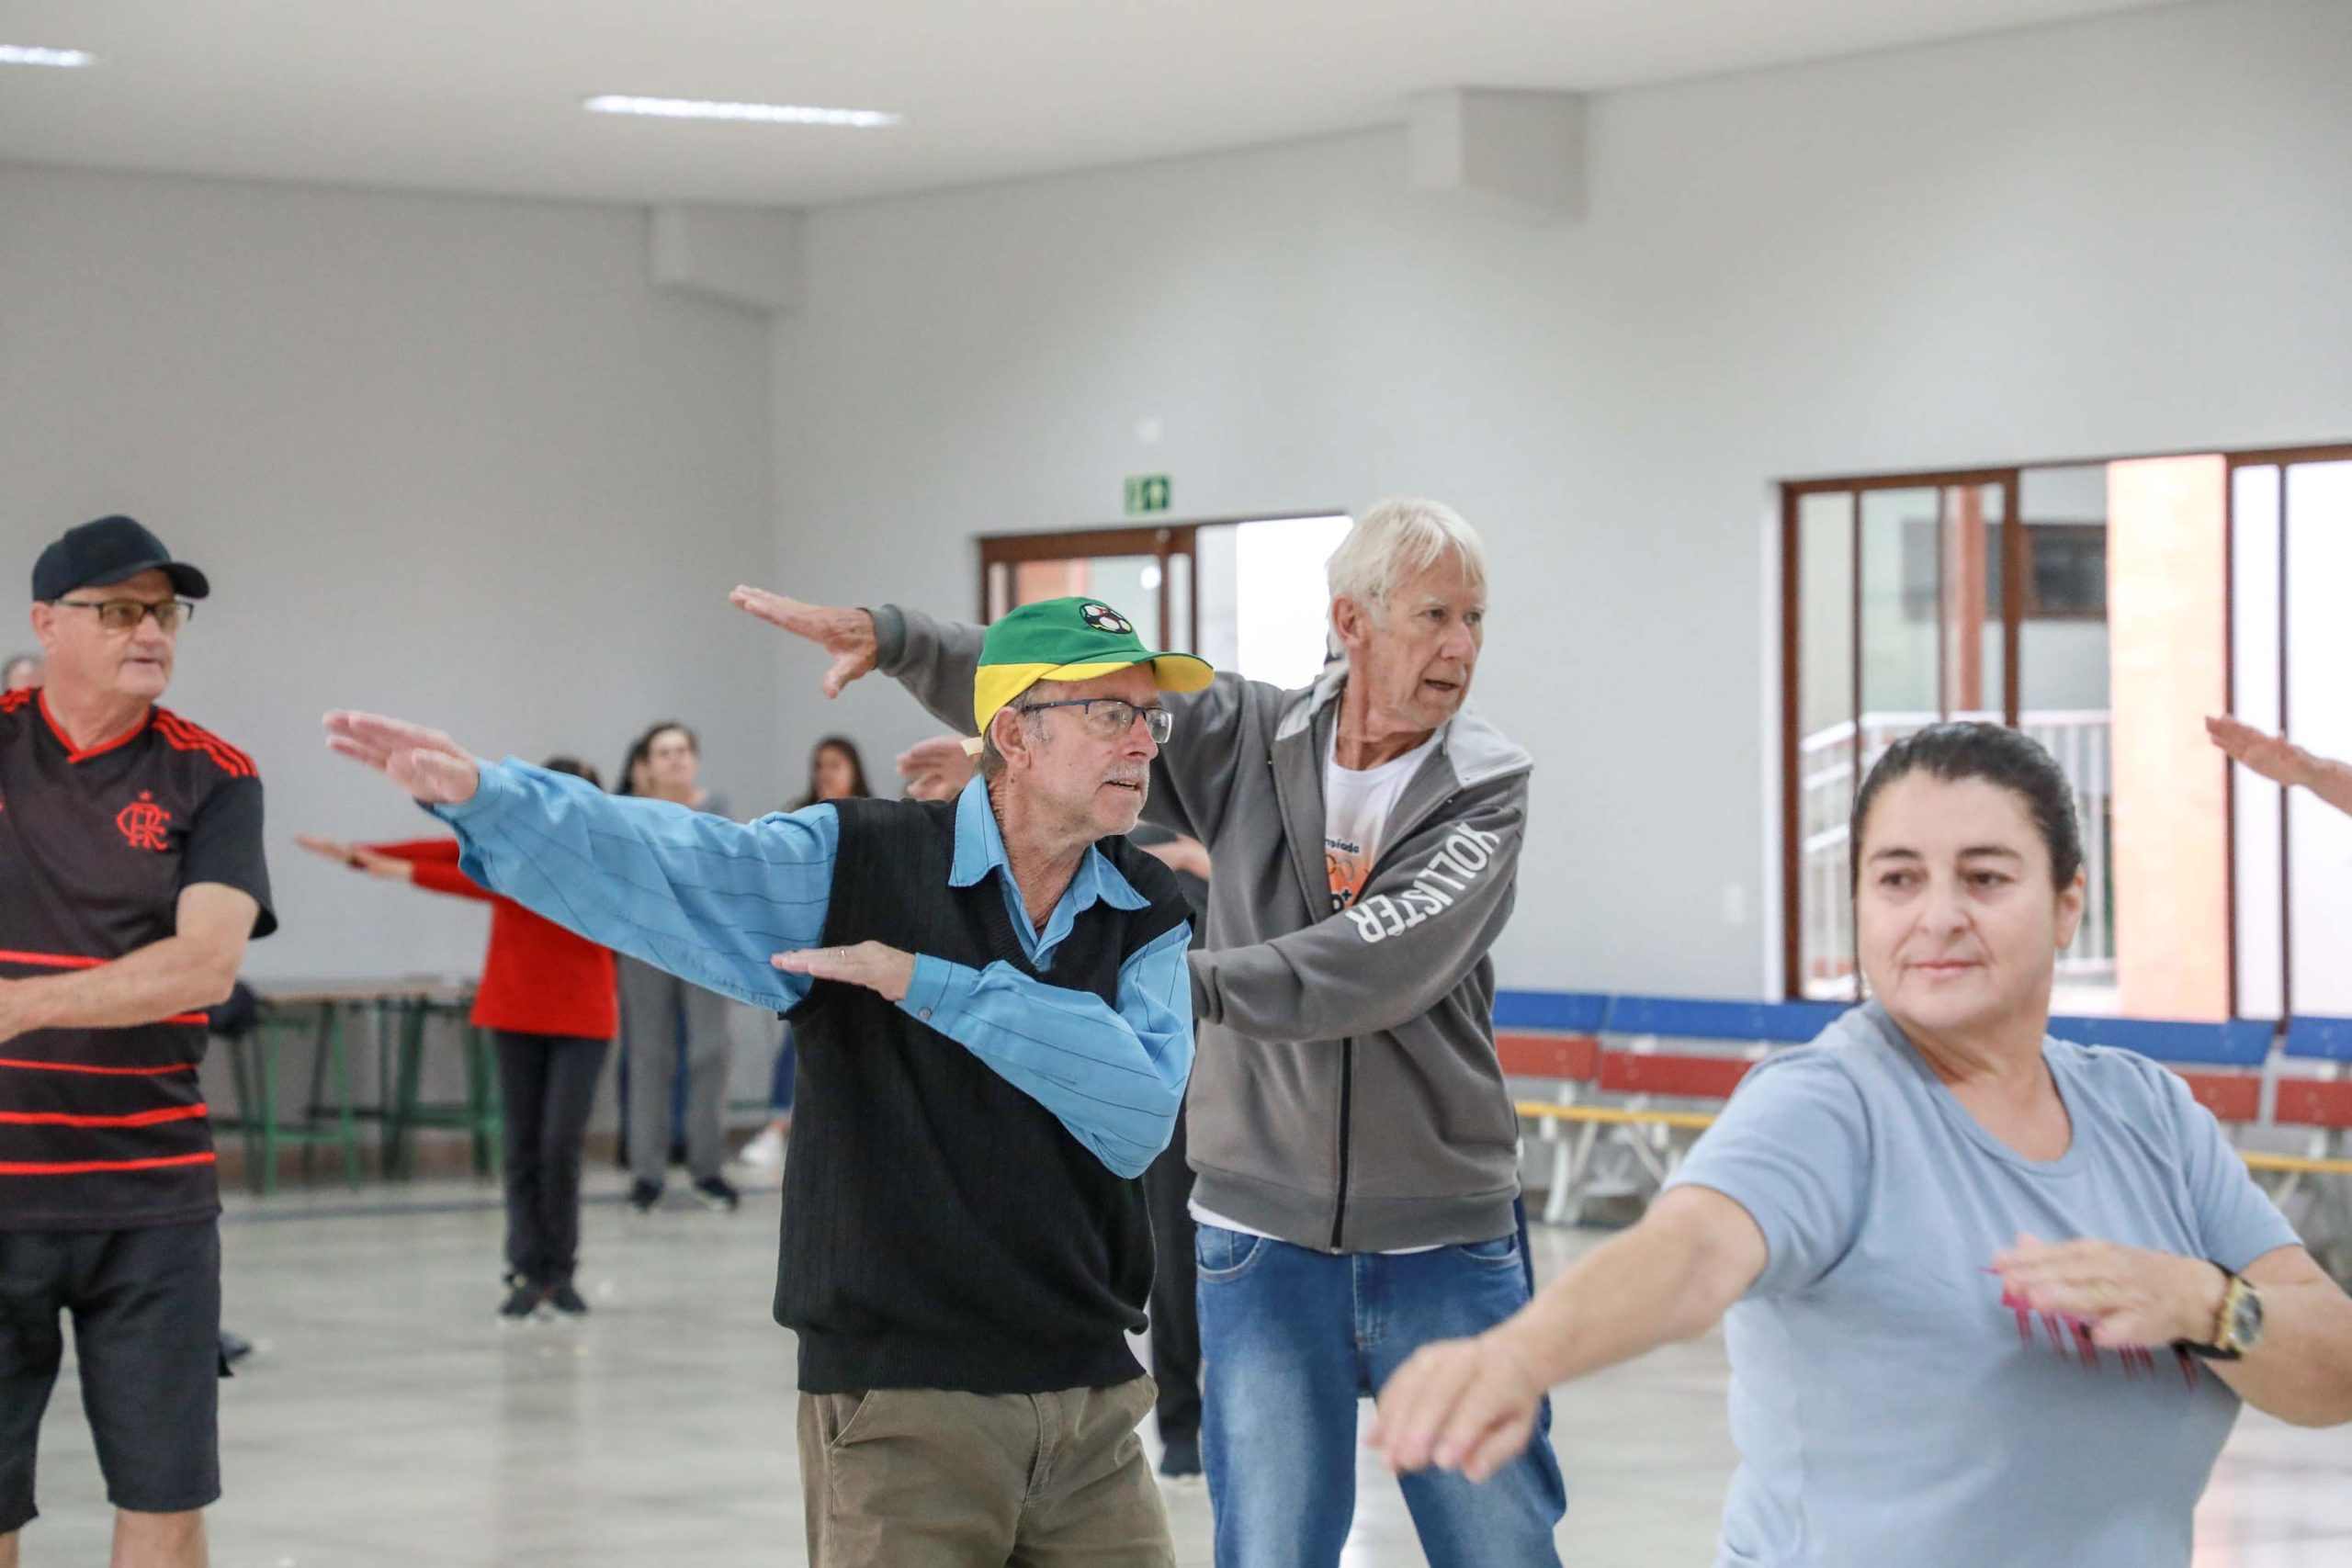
pixel 942 1229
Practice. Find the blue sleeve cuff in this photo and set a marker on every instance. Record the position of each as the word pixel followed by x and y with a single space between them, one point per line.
pixel 928 995
pixel 497 790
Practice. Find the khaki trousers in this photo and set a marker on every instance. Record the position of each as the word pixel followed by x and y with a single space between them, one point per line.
pixel 925 1478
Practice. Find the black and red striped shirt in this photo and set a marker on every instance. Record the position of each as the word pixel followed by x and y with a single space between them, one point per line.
pixel 107 1129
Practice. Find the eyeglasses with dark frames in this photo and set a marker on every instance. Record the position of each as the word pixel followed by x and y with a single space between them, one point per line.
pixel 121 614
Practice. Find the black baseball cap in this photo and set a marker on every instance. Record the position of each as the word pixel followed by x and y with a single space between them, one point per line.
pixel 112 549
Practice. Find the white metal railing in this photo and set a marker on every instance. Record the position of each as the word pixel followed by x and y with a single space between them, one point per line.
pixel 1828 772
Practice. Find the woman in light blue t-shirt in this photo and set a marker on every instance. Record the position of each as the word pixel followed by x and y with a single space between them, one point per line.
pixel 1990 1298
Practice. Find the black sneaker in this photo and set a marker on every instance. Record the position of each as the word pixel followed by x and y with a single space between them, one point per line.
pixel 521 1301
pixel 718 1192
pixel 567 1300
pixel 1179 1460
pixel 644 1196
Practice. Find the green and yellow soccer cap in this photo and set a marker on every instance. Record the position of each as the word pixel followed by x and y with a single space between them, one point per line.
pixel 1068 639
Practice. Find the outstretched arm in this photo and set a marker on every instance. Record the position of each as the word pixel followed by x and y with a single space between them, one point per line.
pixel 708 899
pixel 1113 1075
pixel 2280 760
pixel 1421 925
pixel 429 863
pixel 847 635
pixel 1470 1404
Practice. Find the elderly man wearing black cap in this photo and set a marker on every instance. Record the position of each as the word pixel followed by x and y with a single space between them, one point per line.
pixel 131 877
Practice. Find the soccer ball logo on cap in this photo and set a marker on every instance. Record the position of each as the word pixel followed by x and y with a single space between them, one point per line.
pixel 1103 618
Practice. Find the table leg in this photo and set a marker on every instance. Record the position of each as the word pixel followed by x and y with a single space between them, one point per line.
pixel 272 1037
pixel 347 1119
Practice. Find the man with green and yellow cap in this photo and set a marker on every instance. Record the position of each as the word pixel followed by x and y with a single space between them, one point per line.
pixel 995 1028
pixel 1350 1129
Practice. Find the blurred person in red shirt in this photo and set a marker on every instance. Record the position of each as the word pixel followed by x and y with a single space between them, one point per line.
pixel 549 999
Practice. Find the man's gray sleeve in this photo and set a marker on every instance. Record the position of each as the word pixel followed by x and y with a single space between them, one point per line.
pixel 1419 928
pixel 934 661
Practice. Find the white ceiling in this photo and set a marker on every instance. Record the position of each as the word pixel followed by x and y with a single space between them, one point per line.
pixel 483 95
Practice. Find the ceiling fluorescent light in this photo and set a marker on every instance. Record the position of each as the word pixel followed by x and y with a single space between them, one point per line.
pixel 763 114
pixel 66 58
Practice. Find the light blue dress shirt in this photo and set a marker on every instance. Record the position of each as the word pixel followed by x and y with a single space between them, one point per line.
pixel 713 901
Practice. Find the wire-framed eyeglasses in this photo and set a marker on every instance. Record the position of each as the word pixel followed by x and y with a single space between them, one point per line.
pixel 1107 718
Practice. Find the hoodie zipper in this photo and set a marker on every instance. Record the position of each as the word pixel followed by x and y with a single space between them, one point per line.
pixel 1347 1095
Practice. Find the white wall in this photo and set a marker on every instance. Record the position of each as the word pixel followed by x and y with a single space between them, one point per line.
pixel 450 458
pixel 2117 237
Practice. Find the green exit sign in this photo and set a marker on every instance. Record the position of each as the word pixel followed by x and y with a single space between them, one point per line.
pixel 1146 492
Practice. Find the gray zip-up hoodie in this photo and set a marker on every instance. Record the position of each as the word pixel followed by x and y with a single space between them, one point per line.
pixel 1346 1094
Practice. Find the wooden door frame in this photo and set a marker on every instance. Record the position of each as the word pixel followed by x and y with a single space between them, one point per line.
pixel 1165 540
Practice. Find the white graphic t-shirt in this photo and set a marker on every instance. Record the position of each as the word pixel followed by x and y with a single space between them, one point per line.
pixel 1356 807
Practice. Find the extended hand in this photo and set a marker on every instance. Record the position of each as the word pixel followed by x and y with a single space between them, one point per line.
pixel 937 768
pixel 881 969
pixel 425 762
pixel 2128 1295
pixel 1184 854
pixel 1464 1405
pixel 847 634
pixel 327 849
pixel 2275 757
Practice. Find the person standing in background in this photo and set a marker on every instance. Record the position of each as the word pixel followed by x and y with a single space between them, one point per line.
pixel 131 877
pixel 664 1018
pixel 22 672
pixel 1168 1188
pixel 547 998
pixel 836 771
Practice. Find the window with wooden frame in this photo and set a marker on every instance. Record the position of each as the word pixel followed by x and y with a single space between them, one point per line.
pixel 2104 608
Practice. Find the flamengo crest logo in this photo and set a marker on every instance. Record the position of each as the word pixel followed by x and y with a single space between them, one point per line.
pixel 142 823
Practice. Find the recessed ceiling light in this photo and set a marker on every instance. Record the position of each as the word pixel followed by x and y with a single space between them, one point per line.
pixel 764 114
pixel 67 58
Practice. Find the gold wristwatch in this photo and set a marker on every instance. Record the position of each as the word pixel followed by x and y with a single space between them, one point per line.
pixel 2237 1328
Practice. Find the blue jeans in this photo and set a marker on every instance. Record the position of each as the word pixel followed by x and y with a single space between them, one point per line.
pixel 1291 1339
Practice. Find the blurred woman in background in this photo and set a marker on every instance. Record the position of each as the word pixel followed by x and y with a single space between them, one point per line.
pixel 663 1018
pixel 836 771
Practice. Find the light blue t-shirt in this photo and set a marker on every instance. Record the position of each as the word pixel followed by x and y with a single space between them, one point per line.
pixel 1888 1407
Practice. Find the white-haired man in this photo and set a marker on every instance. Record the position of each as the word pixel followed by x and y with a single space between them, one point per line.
pixel 1353 1141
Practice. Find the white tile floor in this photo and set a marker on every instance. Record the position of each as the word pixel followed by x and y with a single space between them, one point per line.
pixel 389 1419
